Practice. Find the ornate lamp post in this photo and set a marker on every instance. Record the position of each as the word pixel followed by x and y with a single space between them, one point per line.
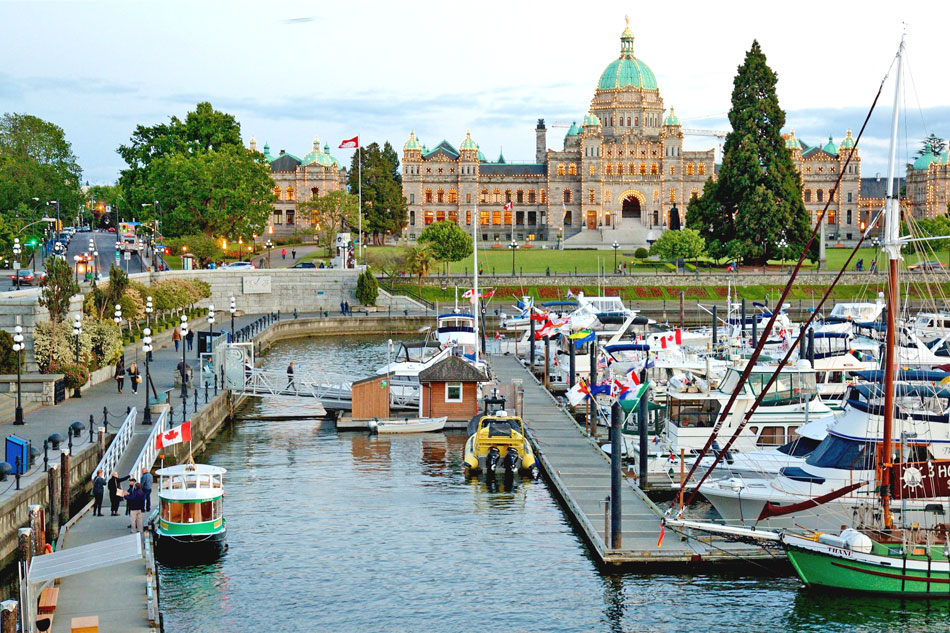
pixel 184 367
pixel 16 261
pixel 268 245
pixel 211 318
pixel 147 348
pixel 560 236
pixel 513 245
pixel 232 310
pixel 782 244
pixel 615 246
pixel 77 330
pixel 18 348
pixel 148 324
pixel 117 317
pixel 76 259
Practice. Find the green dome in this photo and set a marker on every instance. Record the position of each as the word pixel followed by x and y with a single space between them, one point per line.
pixel 574 131
pixel 591 119
pixel 468 143
pixel 848 142
pixel 627 71
pixel 671 119
pixel 481 157
pixel 267 155
pixel 791 142
pixel 830 147
pixel 924 161
pixel 318 156
pixel 413 142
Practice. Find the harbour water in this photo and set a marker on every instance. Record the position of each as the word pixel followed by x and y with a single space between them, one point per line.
pixel 347 532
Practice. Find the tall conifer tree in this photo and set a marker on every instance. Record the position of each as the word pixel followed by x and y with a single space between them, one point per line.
pixel 756 203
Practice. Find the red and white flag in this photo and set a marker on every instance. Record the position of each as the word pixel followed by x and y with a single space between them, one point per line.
pixel 176 435
pixel 509 206
pixel 486 294
pixel 350 143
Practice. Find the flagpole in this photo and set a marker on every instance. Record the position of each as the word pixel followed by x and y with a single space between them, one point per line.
pixel 475 273
pixel 359 162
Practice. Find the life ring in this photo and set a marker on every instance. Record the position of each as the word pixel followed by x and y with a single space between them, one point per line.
pixel 48 549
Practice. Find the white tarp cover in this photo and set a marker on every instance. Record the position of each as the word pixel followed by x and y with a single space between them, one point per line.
pixel 83 558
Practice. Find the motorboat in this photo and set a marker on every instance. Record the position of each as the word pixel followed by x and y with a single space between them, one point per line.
pixel 189 523
pixel 457 330
pixel 499 442
pixel 407 425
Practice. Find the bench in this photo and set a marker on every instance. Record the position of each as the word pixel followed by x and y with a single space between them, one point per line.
pixel 48 598
pixel 85 624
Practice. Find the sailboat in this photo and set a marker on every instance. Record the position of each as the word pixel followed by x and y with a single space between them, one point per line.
pixel 879 555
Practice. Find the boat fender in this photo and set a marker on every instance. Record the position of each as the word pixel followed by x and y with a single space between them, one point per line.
pixel 48 549
pixel 373 425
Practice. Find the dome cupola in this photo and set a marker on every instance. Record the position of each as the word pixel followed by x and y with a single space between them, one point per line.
pixel 412 143
pixel 627 71
pixel 671 119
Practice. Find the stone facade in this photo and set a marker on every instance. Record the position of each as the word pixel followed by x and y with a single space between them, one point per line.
pixel 300 179
pixel 928 185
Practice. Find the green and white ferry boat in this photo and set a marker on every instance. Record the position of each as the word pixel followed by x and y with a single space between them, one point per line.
pixel 190 523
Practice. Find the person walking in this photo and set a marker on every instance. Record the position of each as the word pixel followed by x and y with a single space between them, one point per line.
pixel 136 501
pixel 283 253
pixel 343 308
pixel 346 307
pixel 190 339
pixel 134 376
pixel 146 480
pixel 114 496
pixel 290 376
pixel 176 337
pixel 98 491
pixel 128 492
pixel 120 375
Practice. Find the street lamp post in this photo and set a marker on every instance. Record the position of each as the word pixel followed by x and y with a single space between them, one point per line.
pixel 269 245
pixel 560 236
pixel 148 324
pixel 77 330
pixel 184 368
pixel 76 259
pixel 18 348
pixel 782 244
pixel 232 309
pixel 16 261
pixel 211 319
pixel 117 317
pixel 615 246
pixel 147 348
pixel 513 246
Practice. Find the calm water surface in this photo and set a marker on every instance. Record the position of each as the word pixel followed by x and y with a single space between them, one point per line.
pixel 346 532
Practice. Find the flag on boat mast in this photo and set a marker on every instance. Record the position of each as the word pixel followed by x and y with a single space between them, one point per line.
pixel 354 143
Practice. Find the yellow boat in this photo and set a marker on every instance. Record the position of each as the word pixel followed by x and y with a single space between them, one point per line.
pixel 499 441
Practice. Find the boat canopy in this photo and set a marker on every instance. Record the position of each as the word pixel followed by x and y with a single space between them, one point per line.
pixel 453 315
pixel 626 347
pixel 819 335
pixel 560 304
pixel 910 375
pixel 902 390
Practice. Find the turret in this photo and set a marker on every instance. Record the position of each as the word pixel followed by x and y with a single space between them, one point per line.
pixel 541 142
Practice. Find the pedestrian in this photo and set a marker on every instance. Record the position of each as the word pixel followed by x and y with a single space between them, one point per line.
pixel 342 308
pixel 128 509
pixel 134 376
pixel 146 480
pixel 346 307
pixel 98 490
pixel 120 375
pixel 136 501
pixel 293 254
pixel 873 268
pixel 114 492
pixel 290 376
pixel 176 337
pixel 283 253
pixel 190 339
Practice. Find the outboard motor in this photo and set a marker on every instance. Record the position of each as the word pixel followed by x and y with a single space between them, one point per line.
pixel 491 460
pixel 511 460
pixel 373 426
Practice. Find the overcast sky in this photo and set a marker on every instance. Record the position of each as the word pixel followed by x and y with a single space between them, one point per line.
pixel 292 70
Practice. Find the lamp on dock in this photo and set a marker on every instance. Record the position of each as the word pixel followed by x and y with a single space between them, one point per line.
pixel 147 348
pixel 211 318
pixel 148 325
pixel 77 330
pixel 18 348
pixel 16 260
pixel 232 309
pixel 615 246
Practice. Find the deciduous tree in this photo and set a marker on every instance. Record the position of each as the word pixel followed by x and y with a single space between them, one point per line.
pixel 331 213
pixel 384 207
pixel 447 241
pixel 418 263
pixel 58 288
pixel 687 243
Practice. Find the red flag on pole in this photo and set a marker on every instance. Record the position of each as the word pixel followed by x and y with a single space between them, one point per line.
pixel 509 206
pixel 174 436
pixel 350 143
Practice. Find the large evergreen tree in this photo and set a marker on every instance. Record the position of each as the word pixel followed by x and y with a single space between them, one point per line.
pixel 932 144
pixel 384 207
pixel 756 203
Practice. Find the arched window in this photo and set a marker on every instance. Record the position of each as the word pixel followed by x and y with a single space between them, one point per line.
pixel 544 197
pixel 643 169
pixel 620 169
pixel 519 197
pixel 277 193
pixel 314 193
pixel 610 169
pixel 632 168
pixel 849 216
pixel 831 195
pixel 428 197
pixel 573 169
pixel 440 196
pixel 453 196
pixel 591 170
pixel 808 195
pixel 567 196
pixel 290 193
pixel 560 169
pixel 702 169
pixel 820 195
pixel 689 169
pixel 656 195
pixel 628 121
pixel 654 169
pixel 531 196
pixel 636 120
pixel 672 195
pixel 484 196
pixel 496 196
pixel 590 196
pixel 507 195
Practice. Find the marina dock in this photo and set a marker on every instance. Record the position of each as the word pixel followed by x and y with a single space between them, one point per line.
pixel 579 473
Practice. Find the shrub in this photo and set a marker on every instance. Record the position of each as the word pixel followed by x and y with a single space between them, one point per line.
pixel 641 253
pixel 366 288
pixel 76 375
pixel 7 355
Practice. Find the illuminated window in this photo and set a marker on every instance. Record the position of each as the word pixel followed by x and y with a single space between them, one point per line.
pixel 628 121
pixel 453 196
pixel 620 169
pixel 643 169
pixel 672 170
pixel 654 169
pixel 507 218
pixel 820 195
pixel 573 169
pixel 531 196
pixel 610 169
pixel 591 170
pixel 808 195
pixel 567 196
pixel 290 193
pixel 656 195
pixel 496 196
pixel 484 196
pixel 702 169
pixel 277 193
pixel 468 198
pixel 590 195
pixel 831 216
pixel 468 217
pixel 689 169
pixel 428 197
pixel 672 195
pixel 429 217
pixel 485 217
pixel 440 196
pixel 544 197
pixel 278 216
pixel 632 168
pixel 440 216
pixel 607 196
pixel 560 169
pixel 519 197
pixel 496 218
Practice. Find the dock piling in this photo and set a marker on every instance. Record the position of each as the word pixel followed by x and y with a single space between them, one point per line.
pixel 642 429
pixel 715 327
pixel 25 545
pixel 52 482
pixel 64 486
pixel 39 530
pixel 8 616
pixel 682 308
pixel 591 406
pixel 616 476
pixel 571 368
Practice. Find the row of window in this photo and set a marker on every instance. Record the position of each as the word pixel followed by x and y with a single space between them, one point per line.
pixel 820 195
pixel 279 217
pixel 498 218
pixel 287 195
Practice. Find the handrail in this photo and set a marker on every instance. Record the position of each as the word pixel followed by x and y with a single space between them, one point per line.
pixel 146 457
pixel 110 460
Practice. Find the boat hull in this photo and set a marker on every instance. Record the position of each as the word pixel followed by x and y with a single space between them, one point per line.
pixel 418 425
pixel 185 549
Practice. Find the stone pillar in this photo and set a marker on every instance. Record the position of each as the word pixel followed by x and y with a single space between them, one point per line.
pixel 8 616
pixel 101 443
pixel 38 527
pixel 53 490
pixel 25 545
pixel 64 487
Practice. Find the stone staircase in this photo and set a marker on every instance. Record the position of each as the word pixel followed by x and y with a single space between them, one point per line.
pixel 627 236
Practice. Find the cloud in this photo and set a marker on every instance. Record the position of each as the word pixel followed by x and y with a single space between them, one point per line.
pixel 299 20
pixel 19 87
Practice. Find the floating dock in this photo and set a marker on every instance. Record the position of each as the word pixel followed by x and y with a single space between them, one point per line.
pixel 580 474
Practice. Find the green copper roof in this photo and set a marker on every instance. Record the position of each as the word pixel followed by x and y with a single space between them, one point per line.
pixel 627 71
pixel 943 159
pixel 481 157
pixel 847 142
pixel 267 155
pixel 830 147
pixel 671 119
pixel 501 156
pixel 413 142
pixel 468 143
pixel 591 119
pixel 574 131
pixel 318 156
pixel 925 160
pixel 791 142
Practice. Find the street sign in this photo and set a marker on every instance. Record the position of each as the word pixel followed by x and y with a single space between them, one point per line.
pixel 128 256
pixel 117 254
pixel 16 265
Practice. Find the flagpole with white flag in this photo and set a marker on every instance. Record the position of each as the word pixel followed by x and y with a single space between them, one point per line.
pixel 359 162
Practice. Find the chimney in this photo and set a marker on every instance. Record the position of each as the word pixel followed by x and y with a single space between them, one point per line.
pixel 282 152
pixel 541 146
pixel 877 176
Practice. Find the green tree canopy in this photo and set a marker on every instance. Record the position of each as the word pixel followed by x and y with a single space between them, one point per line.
pixel 384 207
pixel 933 144
pixel 756 201
pixel 331 213
pixel 687 243
pixel 418 263
pixel 447 241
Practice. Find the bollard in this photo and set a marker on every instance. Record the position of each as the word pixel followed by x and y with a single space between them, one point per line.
pixel 616 476
pixel 196 400
pixel 105 419
pixel 101 443
pixel 45 455
pixel 64 486
pixel 206 392
pixel 216 384
pixel 8 616
pixel 35 512
pixel 17 464
pixel 92 423
pixel 25 545
pixel 715 328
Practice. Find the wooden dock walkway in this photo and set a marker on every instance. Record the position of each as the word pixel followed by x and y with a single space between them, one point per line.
pixel 580 473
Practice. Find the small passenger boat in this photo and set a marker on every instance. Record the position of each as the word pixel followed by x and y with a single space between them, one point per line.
pixel 408 425
pixel 499 440
pixel 190 522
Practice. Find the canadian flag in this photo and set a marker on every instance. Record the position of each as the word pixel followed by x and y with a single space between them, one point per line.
pixel 350 143
pixel 176 435
pixel 509 206
pixel 470 294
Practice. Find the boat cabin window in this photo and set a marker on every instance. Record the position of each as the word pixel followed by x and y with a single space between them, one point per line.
pixel 453 392
pixel 771 436
pixel 175 512
pixel 502 428
pixel 788 388
pixel 799 447
pixel 843 454
pixel 693 413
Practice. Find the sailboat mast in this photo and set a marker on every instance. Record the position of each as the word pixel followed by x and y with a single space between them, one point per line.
pixel 893 248
pixel 475 296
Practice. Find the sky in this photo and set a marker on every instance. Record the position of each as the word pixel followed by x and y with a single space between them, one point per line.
pixel 293 70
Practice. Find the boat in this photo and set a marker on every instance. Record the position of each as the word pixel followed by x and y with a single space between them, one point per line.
pixel 189 524
pixel 499 442
pixel 408 425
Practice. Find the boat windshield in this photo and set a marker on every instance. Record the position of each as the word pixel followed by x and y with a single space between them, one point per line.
pixel 693 413
pixel 842 454
pixel 799 447
pixel 192 512
pixel 789 387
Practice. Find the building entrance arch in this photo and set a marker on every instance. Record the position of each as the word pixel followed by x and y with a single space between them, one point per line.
pixel 631 208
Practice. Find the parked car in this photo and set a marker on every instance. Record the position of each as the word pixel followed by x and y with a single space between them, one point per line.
pixel 239 266
pixel 26 276
pixel 927 265
pixel 85 256
pixel 111 229
pixel 304 265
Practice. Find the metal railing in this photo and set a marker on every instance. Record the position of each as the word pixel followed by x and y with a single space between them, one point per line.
pixel 258 382
pixel 149 453
pixel 110 460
